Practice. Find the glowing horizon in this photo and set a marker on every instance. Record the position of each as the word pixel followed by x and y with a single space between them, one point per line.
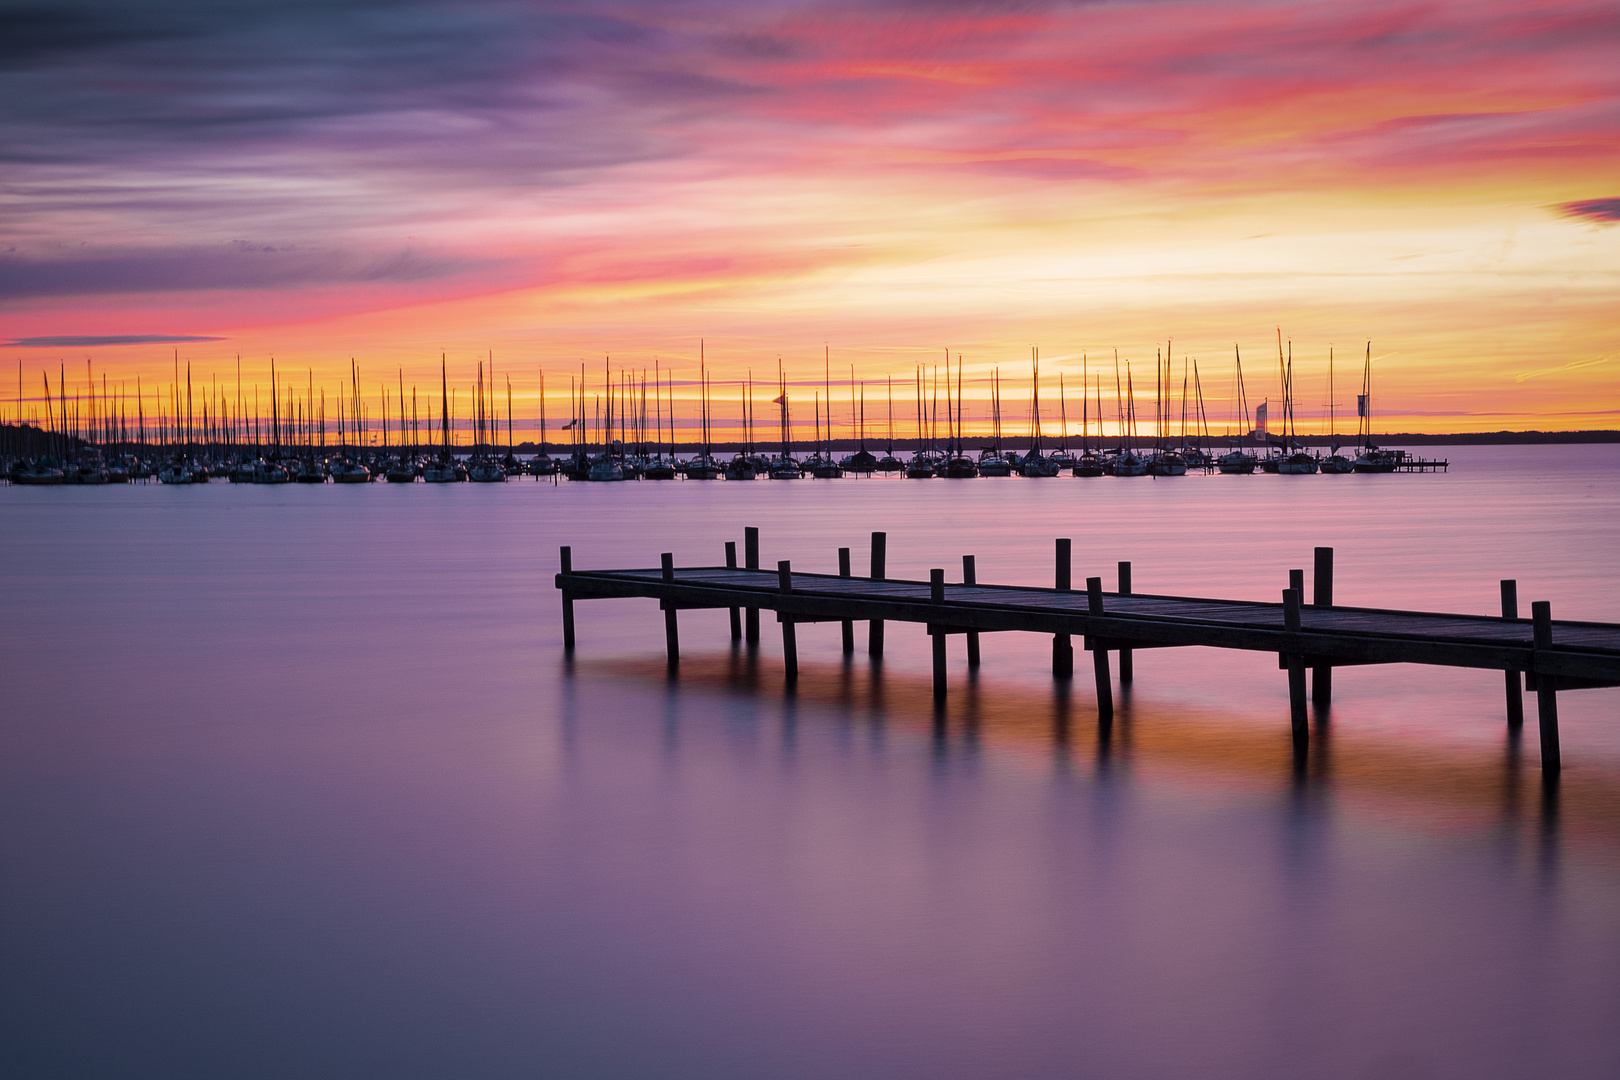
pixel 566 182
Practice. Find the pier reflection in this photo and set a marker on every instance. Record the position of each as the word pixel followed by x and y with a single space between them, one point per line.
pixel 1443 785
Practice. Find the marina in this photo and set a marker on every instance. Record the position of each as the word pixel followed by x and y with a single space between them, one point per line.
pixel 90 436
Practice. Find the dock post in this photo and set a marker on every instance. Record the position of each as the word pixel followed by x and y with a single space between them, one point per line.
pixel 874 633
pixel 1127 663
pixel 1546 691
pixel 936 595
pixel 751 562
pixel 790 636
pixel 736 613
pixel 849 624
pixel 970 576
pixel 1322 597
pixel 1515 692
pixel 1099 654
pixel 672 636
pixel 1062 644
pixel 1296 669
pixel 568 601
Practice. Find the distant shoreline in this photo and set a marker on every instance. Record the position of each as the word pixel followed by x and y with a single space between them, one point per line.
pixel 1390 441
pixel 1480 438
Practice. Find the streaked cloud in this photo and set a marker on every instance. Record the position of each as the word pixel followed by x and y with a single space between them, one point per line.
pixel 240 265
pixel 1601 211
pixel 72 341
pixel 1573 365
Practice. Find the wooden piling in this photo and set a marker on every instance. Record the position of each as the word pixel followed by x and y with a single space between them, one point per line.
pixel 790 637
pixel 1296 668
pixel 1322 597
pixel 936 595
pixel 736 613
pixel 874 632
pixel 1515 692
pixel 970 576
pixel 1127 663
pixel 1099 654
pixel 848 624
pixel 751 562
pixel 1546 690
pixel 672 636
pixel 1062 644
pixel 567 561
pixel 790 651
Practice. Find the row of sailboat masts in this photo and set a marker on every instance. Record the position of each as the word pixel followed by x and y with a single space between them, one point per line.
pixel 619 420
pixel 1289 439
pixel 486 413
pixel 637 411
pixel 183 420
pixel 296 422
pixel 1193 416
pixel 622 420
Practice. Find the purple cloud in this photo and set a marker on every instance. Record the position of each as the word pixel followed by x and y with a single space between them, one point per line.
pixel 237 265
pixel 77 341
pixel 1601 211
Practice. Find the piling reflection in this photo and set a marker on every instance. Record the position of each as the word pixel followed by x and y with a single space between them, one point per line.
pixel 1438 784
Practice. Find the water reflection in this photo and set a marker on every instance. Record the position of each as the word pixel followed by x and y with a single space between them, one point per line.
pixel 980 715
pixel 313 849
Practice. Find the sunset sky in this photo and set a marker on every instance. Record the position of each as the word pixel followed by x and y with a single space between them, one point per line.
pixel 554 183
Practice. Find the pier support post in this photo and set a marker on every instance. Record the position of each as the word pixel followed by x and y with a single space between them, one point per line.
pixel 970 576
pixel 568 601
pixel 1063 644
pixel 874 632
pixel 790 651
pixel 1546 691
pixel 1515 691
pixel 736 613
pixel 790 636
pixel 1322 597
pixel 1296 670
pixel 849 624
pixel 672 635
pixel 1099 654
pixel 1127 663
pixel 751 562
pixel 936 595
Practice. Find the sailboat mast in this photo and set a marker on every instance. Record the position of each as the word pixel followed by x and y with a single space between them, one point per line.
pixel 891 416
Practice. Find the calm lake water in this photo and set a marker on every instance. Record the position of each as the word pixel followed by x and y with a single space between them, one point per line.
pixel 296 782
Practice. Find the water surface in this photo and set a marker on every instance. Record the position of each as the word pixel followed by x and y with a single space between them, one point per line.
pixel 296 781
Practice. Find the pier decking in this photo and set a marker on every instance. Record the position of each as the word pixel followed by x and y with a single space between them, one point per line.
pixel 1554 656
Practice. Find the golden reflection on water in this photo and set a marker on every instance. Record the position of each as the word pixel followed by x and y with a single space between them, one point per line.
pixel 1437 788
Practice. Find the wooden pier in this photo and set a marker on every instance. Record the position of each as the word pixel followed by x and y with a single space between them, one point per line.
pixel 1316 636
pixel 1413 464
